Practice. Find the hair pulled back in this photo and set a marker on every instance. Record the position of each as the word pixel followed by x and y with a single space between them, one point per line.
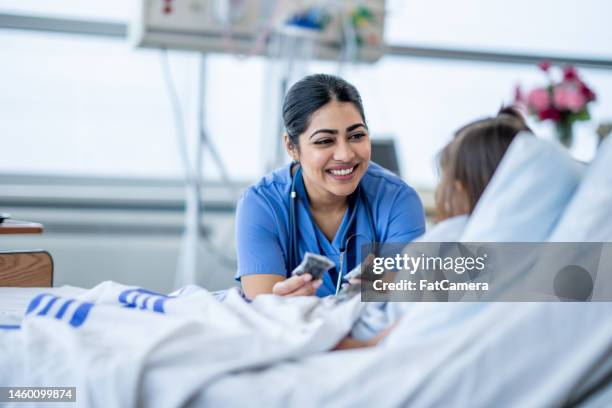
pixel 472 157
pixel 309 95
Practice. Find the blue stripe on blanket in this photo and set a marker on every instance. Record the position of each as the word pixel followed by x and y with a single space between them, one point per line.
pixel 80 314
pixel 9 327
pixel 49 305
pixel 123 295
pixel 62 311
pixel 36 301
pixel 158 304
pixel 144 302
pixel 77 319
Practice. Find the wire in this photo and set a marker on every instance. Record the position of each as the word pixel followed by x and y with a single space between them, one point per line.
pixel 342 253
pixel 177 114
pixel 266 29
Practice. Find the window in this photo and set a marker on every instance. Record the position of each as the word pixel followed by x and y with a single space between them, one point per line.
pixel 105 10
pixel 572 28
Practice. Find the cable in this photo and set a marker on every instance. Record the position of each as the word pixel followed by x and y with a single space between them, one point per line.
pixel 264 32
pixel 342 253
pixel 177 114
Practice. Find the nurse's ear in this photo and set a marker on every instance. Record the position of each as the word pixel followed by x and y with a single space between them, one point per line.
pixel 291 148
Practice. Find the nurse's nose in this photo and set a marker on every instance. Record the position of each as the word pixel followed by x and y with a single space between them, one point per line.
pixel 343 151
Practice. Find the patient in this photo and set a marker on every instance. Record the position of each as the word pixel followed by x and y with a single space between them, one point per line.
pixel 467 164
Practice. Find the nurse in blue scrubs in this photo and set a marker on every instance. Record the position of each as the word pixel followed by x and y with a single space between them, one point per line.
pixel 340 200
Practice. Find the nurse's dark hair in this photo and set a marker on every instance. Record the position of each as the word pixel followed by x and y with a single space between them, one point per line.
pixel 471 158
pixel 309 95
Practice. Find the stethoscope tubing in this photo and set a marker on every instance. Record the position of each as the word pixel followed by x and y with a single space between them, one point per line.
pixel 293 234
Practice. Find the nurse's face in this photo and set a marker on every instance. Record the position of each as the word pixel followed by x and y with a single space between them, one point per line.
pixel 334 151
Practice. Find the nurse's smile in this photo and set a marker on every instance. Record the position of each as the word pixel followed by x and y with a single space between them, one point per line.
pixel 342 173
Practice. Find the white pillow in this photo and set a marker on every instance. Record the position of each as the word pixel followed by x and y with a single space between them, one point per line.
pixel 588 217
pixel 527 194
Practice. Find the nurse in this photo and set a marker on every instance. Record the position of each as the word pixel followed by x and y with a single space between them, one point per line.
pixel 330 200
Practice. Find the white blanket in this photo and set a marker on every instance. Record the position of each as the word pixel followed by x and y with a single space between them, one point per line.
pixel 443 355
pixel 125 347
pixel 121 346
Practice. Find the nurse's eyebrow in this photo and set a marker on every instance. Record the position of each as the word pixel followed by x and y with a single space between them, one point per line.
pixel 335 132
pixel 332 131
pixel 355 126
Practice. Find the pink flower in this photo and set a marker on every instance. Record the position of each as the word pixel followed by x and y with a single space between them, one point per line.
pixel 544 65
pixel 564 100
pixel 550 113
pixel 538 100
pixel 586 91
pixel 569 73
pixel 568 98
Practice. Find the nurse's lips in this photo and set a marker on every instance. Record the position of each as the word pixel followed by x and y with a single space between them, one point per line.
pixel 342 173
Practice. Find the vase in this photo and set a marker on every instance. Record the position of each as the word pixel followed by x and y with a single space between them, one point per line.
pixel 565 133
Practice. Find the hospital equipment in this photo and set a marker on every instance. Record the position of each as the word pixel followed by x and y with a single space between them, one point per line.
pixel 245 27
pixel 293 233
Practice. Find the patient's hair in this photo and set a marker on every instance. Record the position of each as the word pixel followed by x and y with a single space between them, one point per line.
pixel 312 93
pixel 468 162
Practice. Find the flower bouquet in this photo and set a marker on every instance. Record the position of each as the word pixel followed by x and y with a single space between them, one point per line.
pixel 563 101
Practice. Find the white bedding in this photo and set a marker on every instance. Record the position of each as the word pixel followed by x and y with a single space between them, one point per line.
pixel 450 355
pixel 123 347
pixel 201 352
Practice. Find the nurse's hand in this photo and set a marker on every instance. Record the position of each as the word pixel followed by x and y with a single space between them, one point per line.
pixel 299 285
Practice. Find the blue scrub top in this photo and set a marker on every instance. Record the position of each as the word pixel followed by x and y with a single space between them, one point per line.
pixel 262 223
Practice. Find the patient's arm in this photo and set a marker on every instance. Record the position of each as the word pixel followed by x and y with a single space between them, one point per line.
pixel 350 343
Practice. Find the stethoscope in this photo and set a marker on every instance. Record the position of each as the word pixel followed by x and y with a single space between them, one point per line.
pixel 293 232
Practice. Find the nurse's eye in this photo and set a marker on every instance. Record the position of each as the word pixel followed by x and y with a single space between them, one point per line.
pixel 357 136
pixel 324 141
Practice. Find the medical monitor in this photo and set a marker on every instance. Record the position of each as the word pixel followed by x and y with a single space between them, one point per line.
pixel 384 153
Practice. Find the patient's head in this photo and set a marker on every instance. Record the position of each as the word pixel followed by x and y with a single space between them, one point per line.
pixel 468 162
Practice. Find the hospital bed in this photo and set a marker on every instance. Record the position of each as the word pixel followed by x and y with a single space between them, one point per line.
pixel 26 269
pixel 272 352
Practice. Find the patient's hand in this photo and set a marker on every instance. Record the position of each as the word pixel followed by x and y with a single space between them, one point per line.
pixel 350 343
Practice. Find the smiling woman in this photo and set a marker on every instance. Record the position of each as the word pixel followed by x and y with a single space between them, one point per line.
pixel 330 200
pixel 333 159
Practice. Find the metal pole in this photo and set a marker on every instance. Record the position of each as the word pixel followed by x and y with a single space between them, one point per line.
pixel 189 257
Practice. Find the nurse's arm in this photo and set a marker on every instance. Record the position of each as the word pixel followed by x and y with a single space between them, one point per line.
pixel 254 285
